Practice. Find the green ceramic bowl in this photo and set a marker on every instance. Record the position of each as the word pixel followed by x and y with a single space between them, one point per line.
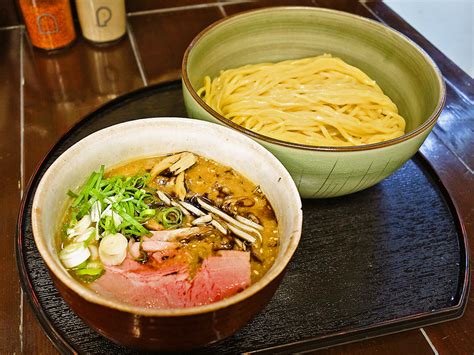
pixel 402 69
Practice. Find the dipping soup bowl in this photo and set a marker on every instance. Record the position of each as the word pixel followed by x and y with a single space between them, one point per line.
pixel 164 329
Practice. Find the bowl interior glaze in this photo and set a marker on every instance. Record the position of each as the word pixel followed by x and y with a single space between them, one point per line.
pixel 404 72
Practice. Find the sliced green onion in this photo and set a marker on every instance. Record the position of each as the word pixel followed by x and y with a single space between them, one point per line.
pixel 85 191
pixel 116 219
pixel 74 254
pixel 143 258
pixel 171 217
pixel 91 273
pixel 72 194
pixel 96 211
pixel 101 175
pixel 81 265
pixel 115 204
pixel 80 227
pixel 113 249
pixel 87 236
pixel 88 271
pixel 134 223
pixel 95 265
pixel 85 208
pixel 148 213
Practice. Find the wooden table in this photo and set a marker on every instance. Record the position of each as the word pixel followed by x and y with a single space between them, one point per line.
pixel 42 96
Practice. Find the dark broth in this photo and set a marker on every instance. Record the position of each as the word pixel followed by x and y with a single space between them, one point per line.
pixel 210 179
pixel 224 188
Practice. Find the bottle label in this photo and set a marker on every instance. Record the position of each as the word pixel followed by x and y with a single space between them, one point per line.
pixel 47 24
pixel 103 15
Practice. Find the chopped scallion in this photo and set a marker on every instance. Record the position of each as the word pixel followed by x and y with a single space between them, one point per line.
pixel 171 217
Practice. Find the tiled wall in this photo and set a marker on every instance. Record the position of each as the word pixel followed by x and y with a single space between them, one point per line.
pixel 8 13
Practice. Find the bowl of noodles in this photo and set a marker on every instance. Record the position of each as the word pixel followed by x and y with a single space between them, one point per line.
pixel 166 240
pixel 342 101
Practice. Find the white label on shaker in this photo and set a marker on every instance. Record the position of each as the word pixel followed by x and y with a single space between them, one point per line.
pixel 103 15
pixel 102 20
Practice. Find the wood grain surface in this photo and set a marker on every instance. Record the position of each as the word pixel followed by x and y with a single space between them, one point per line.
pixel 10 188
pixel 61 88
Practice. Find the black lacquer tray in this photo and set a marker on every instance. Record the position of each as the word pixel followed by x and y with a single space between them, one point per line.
pixel 387 259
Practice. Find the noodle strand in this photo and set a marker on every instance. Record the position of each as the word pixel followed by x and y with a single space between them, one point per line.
pixel 320 101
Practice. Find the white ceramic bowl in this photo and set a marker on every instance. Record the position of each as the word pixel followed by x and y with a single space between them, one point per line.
pixel 155 328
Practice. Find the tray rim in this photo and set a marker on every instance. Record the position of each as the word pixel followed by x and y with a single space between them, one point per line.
pixel 317 342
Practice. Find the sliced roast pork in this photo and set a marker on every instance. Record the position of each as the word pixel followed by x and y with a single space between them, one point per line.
pixel 164 281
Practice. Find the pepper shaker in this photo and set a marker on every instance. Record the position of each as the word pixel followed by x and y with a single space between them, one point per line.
pixel 102 20
pixel 48 22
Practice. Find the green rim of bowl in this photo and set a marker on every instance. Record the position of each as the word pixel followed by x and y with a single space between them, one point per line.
pixel 419 130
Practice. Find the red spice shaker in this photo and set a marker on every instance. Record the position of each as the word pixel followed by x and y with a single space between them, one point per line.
pixel 49 22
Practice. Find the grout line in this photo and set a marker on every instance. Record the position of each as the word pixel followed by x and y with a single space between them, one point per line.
pixel 136 54
pixel 22 116
pixel 15 27
pixel 231 2
pixel 21 320
pixel 22 159
pixel 170 9
pixel 454 87
pixel 429 341
pixel 187 7
pixel 363 3
pixel 222 10
pixel 468 168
